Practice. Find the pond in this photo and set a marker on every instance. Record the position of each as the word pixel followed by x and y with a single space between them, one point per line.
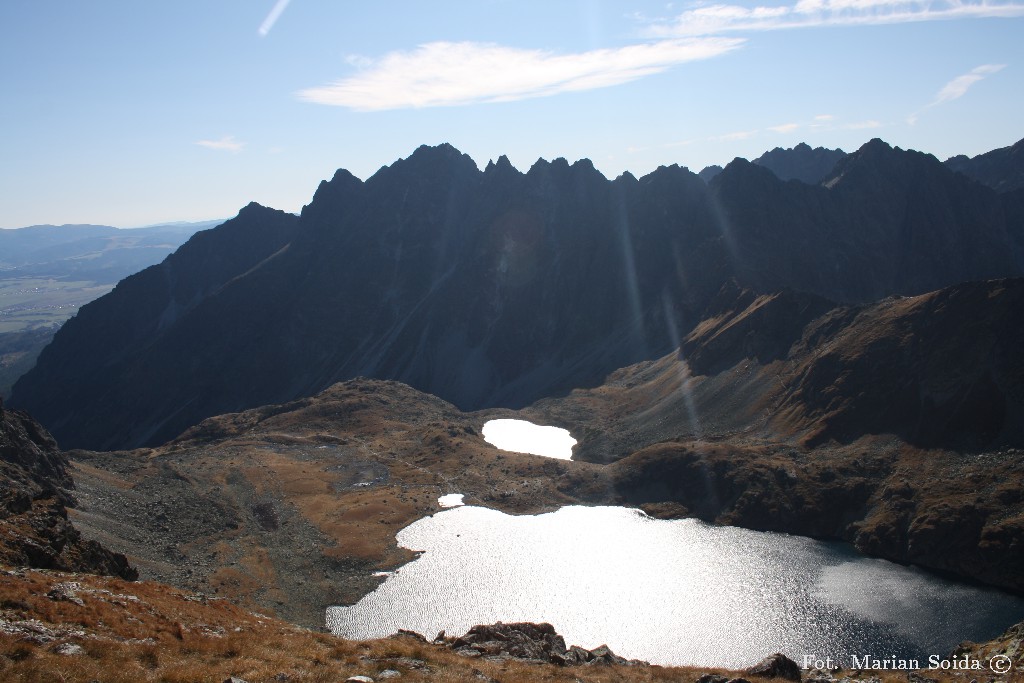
pixel 670 592
pixel 521 436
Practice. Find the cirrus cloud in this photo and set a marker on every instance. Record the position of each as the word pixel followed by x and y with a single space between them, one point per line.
pixel 958 87
pixel 722 18
pixel 228 143
pixel 448 74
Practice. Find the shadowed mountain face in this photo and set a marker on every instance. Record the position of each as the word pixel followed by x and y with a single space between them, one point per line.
pixel 898 425
pixel 801 163
pixel 495 288
pixel 1001 169
pixel 943 369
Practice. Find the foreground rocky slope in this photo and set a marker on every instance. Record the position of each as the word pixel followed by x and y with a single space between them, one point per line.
pixel 496 288
pixel 80 629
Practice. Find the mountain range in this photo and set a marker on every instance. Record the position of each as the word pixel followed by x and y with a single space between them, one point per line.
pixel 838 358
pixel 496 287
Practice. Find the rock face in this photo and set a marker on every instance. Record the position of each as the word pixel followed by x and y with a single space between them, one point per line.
pixel 801 163
pixel 940 370
pixel 494 288
pixel 34 527
pixel 895 426
pixel 776 666
pixel 1001 169
pixel 529 641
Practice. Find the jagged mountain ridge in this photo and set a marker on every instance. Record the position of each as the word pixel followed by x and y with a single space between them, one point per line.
pixel 498 287
pixel 801 163
pixel 1001 169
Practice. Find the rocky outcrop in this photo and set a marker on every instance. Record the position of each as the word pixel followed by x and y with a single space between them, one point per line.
pixel 34 526
pixel 1006 651
pixel 532 642
pixel 777 665
pixel 740 324
pixel 495 287
pixel 939 370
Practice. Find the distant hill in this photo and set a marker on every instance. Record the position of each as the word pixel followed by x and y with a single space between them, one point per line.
pixel 709 172
pixel 1001 169
pixel 48 271
pixel 98 253
pixel 496 288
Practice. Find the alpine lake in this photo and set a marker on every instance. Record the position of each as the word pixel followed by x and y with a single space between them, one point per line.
pixel 672 592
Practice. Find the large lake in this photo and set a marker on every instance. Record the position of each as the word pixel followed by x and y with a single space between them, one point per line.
pixel 670 592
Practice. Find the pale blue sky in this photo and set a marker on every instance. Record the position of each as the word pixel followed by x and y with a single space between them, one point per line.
pixel 129 113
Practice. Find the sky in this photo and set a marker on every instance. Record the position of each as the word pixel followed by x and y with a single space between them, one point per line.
pixel 128 113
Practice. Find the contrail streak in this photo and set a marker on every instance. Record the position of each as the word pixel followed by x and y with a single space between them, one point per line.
pixel 272 18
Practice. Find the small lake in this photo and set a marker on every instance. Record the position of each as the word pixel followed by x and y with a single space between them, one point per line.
pixel 669 592
pixel 521 436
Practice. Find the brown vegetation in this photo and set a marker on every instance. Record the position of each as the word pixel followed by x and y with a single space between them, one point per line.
pixel 76 628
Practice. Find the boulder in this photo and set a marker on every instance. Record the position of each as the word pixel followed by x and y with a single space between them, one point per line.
pixel 777 665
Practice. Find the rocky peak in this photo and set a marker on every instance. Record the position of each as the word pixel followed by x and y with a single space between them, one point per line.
pixel 1001 169
pixel 801 163
pixel 501 167
pixel 709 172
pixel 440 160
pixel 877 162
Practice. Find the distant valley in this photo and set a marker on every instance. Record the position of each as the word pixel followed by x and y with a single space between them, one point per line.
pixel 47 272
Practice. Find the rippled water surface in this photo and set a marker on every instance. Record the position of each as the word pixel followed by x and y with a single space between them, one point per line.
pixel 670 592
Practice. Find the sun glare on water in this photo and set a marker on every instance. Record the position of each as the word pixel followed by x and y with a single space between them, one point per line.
pixel 520 436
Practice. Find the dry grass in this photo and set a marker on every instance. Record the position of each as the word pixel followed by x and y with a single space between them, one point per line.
pixel 148 632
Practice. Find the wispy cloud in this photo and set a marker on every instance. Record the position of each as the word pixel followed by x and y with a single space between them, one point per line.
pixel 447 74
pixel 784 128
pixel 225 144
pixel 275 14
pixel 862 125
pixel 738 135
pixel 957 88
pixel 722 18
